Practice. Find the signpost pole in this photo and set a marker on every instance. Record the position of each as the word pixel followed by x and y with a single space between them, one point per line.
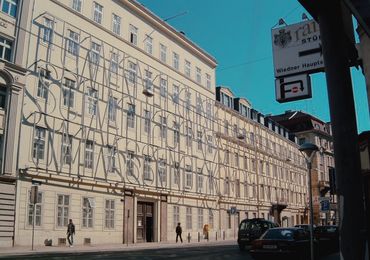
pixel 343 119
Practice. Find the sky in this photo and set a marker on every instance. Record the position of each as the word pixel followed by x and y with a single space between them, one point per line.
pixel 238 34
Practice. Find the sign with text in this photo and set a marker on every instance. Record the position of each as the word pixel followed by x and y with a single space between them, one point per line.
pixel 297 49
pixel 293 88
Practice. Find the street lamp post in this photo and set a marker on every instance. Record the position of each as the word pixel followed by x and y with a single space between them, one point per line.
pixel 308 150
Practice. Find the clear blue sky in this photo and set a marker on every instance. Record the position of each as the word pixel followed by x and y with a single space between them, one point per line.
pixel 238 34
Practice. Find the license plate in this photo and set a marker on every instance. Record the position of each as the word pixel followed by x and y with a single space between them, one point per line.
pixel 269 246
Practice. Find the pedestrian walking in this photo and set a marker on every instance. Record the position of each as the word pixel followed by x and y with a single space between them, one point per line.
pixel 70 232
pixel 178 232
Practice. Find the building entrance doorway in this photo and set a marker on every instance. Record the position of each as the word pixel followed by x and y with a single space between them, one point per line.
pixel 145 221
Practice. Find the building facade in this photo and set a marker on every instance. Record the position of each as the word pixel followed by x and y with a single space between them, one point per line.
pixel 121 126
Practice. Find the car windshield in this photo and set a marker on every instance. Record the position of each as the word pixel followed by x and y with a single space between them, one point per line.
pixel 279 234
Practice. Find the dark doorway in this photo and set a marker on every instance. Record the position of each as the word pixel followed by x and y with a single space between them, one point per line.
pixel 145 222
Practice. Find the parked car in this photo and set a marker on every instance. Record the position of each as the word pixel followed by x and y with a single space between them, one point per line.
pixel 328 238
pixel 282 243
pixel 306 227
pixel 251 229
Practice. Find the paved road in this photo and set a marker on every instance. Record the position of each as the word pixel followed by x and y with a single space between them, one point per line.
pixel 196 253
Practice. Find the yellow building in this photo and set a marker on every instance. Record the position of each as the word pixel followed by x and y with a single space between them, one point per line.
pixel 122 128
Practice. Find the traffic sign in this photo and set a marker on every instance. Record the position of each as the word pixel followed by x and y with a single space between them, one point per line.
pixel 324 205
pixel 297 49
pixel 293 88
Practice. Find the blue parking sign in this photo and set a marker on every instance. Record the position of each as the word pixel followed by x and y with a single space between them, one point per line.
pixel 325 205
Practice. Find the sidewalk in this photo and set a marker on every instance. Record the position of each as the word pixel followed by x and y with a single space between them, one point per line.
pixel 26 250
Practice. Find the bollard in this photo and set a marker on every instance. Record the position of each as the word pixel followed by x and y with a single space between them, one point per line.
pixel 207 236
pixel 198 237
pixel 224 234
pixel 216 235
pixel 189 237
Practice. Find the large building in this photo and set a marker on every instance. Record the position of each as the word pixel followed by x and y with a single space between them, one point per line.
pixel 120 124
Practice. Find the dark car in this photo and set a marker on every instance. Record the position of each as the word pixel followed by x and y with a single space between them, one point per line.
pixel 251 229
pixel 306 227
pixel 327 237
pixel 282 243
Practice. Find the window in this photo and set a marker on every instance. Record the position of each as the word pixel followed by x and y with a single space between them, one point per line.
pixel 227 186
pixel 188 136
pixel 148 80
pixel 176 58
pixel 189 217
pixel 112 153
pixel 209 110
pixel 37 212
pixel 211 181
pixel 188 177
pixel 210 144
pixel 208 81
pixel 187 68
pixel 9 7
pixel 43 84
pixel 109 214
pixel 176 215
pixel 3 95
pixel 199 104
pixel 131 116
pixel 63 210
pixel 176 169
pixel 245 162
pixel 163 53
pixel 175 96
pixel 236 160
pixel 95 53
pixel 246 189
pixel 73 43
pixel 162 174
pixel 237 188
pixel 147 118
pixel 147 167
pixel 98 13
pixel 210 218
pixel 227 157
pixel 48 30
pixel 69 92
pixel 198 76
pixel 163 122
pixel 199 140
pixel 76 5
pixel 67 149
pixel 188 100
pixel 38 143
pixel 253 162
pixel 131 72
pixel 116 24
pixel 91 101
pixel 149 44
pixel 176 133
pixel 114 63
pixel 112 109
pixel 87 212
pixel 5 49
pixel 89 154
pixel 200 218
pixel 163 87
pixel 226 124
pixel 199 180
pixel 130 163
pixel 133 34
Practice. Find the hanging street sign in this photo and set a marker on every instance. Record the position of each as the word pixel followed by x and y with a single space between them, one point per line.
pixel 297 49
pixel 293 88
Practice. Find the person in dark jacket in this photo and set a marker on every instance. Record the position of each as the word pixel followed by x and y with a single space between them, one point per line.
pixel 70 232
pixel 178 232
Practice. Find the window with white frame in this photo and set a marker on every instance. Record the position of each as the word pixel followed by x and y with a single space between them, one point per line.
pixel 38 143
pixel 148 44
pixel 112 154
pixel 91 101
pixel 73 43
pixel 112 109
pixel 67 149
pixel 210 218
pixel 109 213
pixel 199 180
pixel 245 159
pixel 5 49
pixel 189 218
pixel 163 87
pixel 47 36
pixel 95 53
pixel 9 7
pixel 211 182
pixel 198 75
pixel 162 173
pixel 43 84
pixel 175 61
pixel 88 205
pixel 237 188
pixel 147 119
pixel 89 154
pixel 227 157
pixel 199 104
pixel 187 68
pixel 176 175
pixel 63 210
pixel 131 72
pixel 175 96
pixel 188 177
pixel 188 136
pixel 98 13
pixel 209 110
pixel 188 100
pixel 236 156
pixel 226 127
pixel 130 163
pixel 163 126
pixel 116 24
pixel 176 133
pixel 68 89
pixel 37 213
pixel 77 5
pixel 133 34
pixel 227 186
pixel 114 63
pixel 176 215
pixel 163 53
pixel 210 144
pixel 200 218
pixel 131 116
pixel 148 84
pixel 147 168
pixel 208 81
pixel 199 139
pixel 253 163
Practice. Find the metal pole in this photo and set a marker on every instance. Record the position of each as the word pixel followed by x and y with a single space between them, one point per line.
pixel 309 166
pixel 33 223
pixel 343 119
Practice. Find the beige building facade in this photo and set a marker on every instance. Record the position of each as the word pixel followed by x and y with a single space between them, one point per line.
pixel 121 127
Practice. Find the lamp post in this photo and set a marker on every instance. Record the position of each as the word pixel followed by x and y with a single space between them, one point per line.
pixel 308 150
